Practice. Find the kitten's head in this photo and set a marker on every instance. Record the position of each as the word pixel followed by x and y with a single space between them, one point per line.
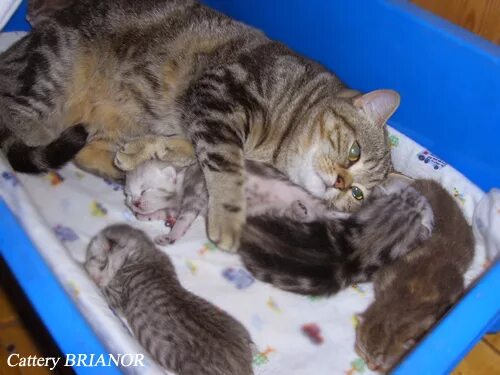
pixel 394 323
pixel 39 10
pixel 152 186
pixel 111 248
pixel 348 148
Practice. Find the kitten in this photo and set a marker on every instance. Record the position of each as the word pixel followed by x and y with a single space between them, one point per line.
pixel 183 332
pixel 156 191
pixel 153 191
pixel 415 291
pixel 40 10
pixel 324 256
pixel 135 71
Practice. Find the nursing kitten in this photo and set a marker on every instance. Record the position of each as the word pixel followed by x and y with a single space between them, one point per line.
pixel 137 70
pixel 324 256
pixel 156 191
pixel 40 10
pixel 415 291
pixel 183 332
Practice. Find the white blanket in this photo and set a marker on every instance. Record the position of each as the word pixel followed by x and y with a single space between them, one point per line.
pixel 62 211
pixel 7 9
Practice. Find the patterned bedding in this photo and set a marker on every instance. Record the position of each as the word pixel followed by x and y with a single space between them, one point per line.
pixel 61 211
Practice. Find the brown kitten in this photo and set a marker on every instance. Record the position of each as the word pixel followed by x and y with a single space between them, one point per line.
pixel 415 291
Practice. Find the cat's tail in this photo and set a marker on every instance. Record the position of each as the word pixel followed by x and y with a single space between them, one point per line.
pixel 39 159
pixel 293 256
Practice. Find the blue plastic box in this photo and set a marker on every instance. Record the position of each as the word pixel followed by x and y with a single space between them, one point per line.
pixel 449 80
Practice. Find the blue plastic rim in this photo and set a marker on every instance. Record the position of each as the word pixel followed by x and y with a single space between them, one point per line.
pixel 449 80
pixel 55 308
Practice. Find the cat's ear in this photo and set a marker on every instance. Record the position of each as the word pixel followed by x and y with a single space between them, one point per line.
pixel 170 173
pixel 379 105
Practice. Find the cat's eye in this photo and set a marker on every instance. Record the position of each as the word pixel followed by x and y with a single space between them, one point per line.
pixel 354 152
pixel 357 193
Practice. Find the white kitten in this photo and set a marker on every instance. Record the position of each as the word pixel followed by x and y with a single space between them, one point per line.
pixel 152 191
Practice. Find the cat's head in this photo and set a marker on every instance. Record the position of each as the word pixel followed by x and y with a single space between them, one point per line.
pixel 152 186
pixel 111 248
pixel 348 148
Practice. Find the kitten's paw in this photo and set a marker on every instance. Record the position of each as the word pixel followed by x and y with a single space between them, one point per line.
pixel 224 228
pixel 164 240
pixel 427 216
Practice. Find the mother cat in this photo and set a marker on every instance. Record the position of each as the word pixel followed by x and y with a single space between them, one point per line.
pixel 142 70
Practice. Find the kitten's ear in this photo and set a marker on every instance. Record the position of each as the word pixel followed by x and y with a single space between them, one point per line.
pixel 379 105
pixel 170 173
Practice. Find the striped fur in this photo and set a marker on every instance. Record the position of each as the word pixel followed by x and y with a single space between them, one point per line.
pixel 129 69
pixel 415 291
pixel 323 257
pixel 37 159
pixel 156 191
pixel 184 333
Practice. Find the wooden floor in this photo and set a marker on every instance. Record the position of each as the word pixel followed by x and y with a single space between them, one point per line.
pixel 16 338
pixel 479 16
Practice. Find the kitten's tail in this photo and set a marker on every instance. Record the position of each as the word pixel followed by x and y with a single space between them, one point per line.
pixel 39 159
pixel 296 257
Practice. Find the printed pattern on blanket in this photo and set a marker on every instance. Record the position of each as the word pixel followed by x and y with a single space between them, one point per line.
pixel 295 334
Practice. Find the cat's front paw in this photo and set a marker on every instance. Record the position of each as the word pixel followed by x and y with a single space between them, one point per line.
pixel 225 227
pixel 177 151
pixel 131 154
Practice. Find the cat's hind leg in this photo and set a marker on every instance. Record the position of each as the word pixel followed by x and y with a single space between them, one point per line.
pixel 177 151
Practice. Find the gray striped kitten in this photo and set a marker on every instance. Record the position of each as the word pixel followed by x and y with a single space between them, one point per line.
pixel 183 332
pixel 155 190
pixel 325 256
pixel 135 71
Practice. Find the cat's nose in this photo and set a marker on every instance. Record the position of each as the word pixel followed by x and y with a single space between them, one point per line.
pixel 344 178
pixel 137 203
pixel 342 183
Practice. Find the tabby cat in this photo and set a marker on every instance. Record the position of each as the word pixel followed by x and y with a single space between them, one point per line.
pixel 415 291
pixel 183 332
pixel 137 71
pixel 324 256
